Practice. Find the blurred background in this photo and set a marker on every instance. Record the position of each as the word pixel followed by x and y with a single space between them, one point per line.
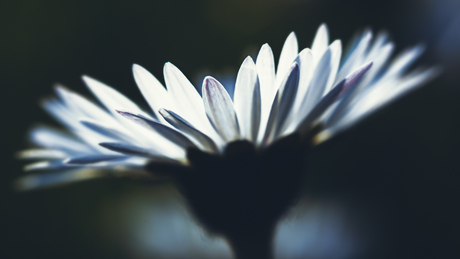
pixel 387 188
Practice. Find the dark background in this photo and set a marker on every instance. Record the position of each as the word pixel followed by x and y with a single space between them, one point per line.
pixel 398 169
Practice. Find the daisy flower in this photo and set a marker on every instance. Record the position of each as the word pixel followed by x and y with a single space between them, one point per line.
pixel 227 156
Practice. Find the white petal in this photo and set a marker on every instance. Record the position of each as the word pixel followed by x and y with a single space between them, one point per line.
pixel 247 100
pixel 376 47
pixel 51 154
pixel 92 159
pixel 152 90
pixel 114 101
pixel 385 89
pixel 187 99
pixel 61 112
pixel 129 150
pixel 184 126
pixel 46 165
pixel 265 64
pixel 71 119
pixel 336 54
pixel 350 91
pixel 379 60
pixel 288 54
pixel 321 107
pixel 111 98
pixel 418 78
pixel 306 66
pixel 167 132
pixel 320 43
pixel 282 104
pixel 220 110
pixel 288 91
pixel 108 130
pixel 305 61
pixel 318 83
pixel 384 94
pixel 356 57
pixel 403 61
pixel 352 45
pixel 52 139
pixel 84 106
pixel 76 107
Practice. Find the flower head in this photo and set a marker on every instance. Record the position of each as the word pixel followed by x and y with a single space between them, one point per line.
pixel 312 87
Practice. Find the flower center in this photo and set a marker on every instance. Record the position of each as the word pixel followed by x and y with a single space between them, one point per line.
pixel 244 190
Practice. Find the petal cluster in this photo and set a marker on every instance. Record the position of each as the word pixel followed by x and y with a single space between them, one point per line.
pixel 316 86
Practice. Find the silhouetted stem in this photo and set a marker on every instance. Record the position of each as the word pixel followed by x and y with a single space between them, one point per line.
pixel 253 245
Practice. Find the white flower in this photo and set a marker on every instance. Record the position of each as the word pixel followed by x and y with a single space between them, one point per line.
pixel 314 87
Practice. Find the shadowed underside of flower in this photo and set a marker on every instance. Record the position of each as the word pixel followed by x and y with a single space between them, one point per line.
pixel 231 155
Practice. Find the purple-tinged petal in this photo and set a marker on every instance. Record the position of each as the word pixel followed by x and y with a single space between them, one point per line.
pixel 184 126
pixel 220 110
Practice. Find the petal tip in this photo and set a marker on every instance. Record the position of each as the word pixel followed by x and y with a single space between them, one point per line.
pixel 292 34
pixel 87 78
pixel 163 112
pixel 337 43
pixel 136 67
pixel 210 82
pixel 89 81
pixel 295 66
pixel 266 47
pixel 323 27
pixel 248 61
pixel 168 65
